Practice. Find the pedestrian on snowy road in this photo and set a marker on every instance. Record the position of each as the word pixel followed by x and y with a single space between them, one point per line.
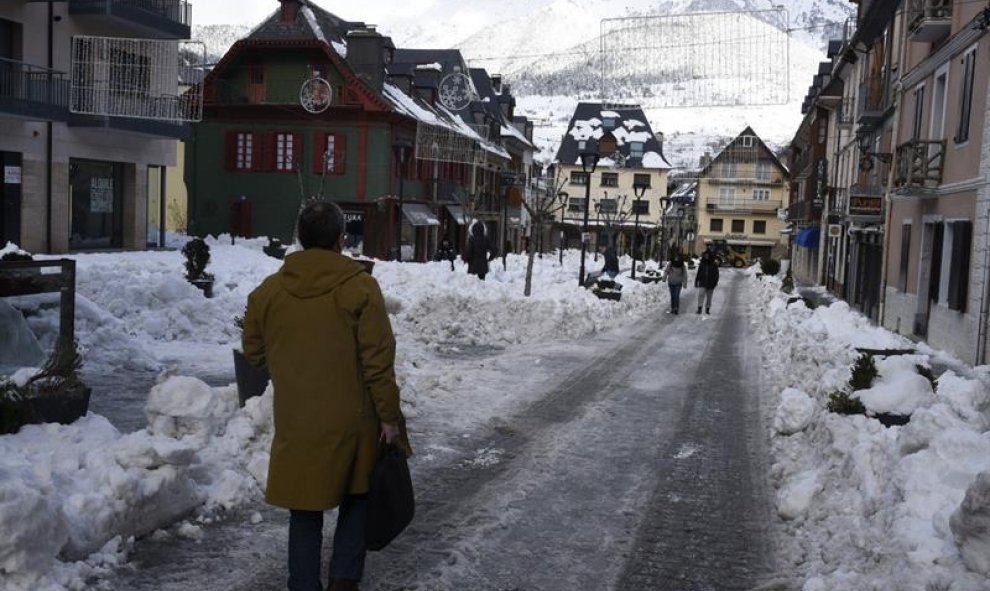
pixel 676 274
pixel 706 279
pixel 319 324
pixel 478 251
pixel 611 267
pixel 445 252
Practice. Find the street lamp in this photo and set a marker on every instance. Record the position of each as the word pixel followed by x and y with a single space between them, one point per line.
pixel 690 232
pixel 508 179
pixel 562 196
pixel 664 204
pixel 402 149
pixel 639 189
pixel 589 161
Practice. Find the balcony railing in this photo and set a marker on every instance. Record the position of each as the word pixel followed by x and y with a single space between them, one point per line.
pixel 920 164
pixel 847 110
pixel 873 100
pixel 170 19
pixel 745 206
pixel 929 20
pixel 32 92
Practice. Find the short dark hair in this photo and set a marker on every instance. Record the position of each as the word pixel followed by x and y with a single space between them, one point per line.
pixel 320 225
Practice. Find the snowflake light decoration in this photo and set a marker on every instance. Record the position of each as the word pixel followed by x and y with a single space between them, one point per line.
pixel 315 95
pixel 456 92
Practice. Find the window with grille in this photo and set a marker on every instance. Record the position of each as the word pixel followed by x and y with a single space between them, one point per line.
pixel 245 151
pixel 715 225
pixel 761 194
pixel 285 152
pixel 329 151
pixel 966 106
pixel 738 226
pixel 759 227
pixel 610 179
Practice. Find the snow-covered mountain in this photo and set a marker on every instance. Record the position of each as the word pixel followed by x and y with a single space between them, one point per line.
pixel 549 50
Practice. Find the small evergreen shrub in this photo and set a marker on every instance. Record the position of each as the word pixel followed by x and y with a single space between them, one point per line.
pixel 787 286
pixel 770 266
pixel 197 253
pixel 864 372
pixel 14 257
pixel 840 402
pixel 928 374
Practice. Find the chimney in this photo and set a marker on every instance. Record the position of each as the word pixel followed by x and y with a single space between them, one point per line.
pixel 497 82
pixel 660 138
pixel 289 11
pixel 401 76
pixel 368 53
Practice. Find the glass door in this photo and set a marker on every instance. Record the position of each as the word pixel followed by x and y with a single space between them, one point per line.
pixel 97 204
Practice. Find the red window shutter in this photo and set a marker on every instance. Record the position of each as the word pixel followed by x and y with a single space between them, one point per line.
pixel 231 150
pixel 260 156
pixel 267 141
pixel 319 148
pixel 339 153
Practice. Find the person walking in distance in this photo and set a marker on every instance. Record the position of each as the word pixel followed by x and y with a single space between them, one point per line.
pixel 706 279
pixel 445 252
pixel 676 278
pixel 478 251
pixel 319 324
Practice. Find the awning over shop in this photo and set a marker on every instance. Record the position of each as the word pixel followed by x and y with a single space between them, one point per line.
pixel 419 215
pixel 808 238
pixel 751 242
pixel 457 212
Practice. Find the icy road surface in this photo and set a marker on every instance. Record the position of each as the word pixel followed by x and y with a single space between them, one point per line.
pixel 636 463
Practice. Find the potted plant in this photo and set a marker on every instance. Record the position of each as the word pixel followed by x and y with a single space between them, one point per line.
pixel 275 248
pixel 53 395
pixel 197 253
pixel 251 380
pixel 607 289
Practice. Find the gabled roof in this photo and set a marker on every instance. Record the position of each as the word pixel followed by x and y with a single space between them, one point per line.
pixel 311 22
pixel 630 125
pixel 737 141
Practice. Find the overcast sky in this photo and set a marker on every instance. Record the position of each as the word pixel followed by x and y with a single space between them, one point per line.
pixel 251 12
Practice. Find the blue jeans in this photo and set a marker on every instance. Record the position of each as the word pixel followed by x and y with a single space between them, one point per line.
pixel 675 296
pixel 306 545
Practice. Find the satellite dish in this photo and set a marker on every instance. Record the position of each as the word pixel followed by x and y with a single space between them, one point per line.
pixel 456 91
pixel 315 95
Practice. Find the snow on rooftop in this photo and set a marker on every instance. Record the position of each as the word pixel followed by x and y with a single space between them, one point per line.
pixel 340 48
pixel 653 160
pixel 624 136
pixel 586 129
pixel 610 114
pixel 313 23
pixel 633 123
pixel 434 66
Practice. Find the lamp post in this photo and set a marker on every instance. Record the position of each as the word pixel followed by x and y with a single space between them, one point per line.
pixel 639 189
pixel 401 148
pixel 589 160
pixel 562 195
pixel 508 179
pixel 664 204
pixel 690 232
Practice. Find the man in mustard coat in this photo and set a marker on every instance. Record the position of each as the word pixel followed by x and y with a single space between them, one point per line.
pixel 320 326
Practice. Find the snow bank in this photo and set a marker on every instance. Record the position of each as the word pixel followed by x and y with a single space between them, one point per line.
pixel 863 506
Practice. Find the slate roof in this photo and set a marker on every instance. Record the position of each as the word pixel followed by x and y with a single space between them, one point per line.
pixel 631 126
pixel 727 149
pixel 312 22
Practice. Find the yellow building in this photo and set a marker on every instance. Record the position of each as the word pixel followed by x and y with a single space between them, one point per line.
pixel 741 192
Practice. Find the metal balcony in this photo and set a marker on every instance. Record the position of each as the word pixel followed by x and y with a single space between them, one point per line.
pixel 929 20
pixel 33 93
pixel 157 19
pixel 846 111
pixel 919 164
pixel 750 206
pixel 873 102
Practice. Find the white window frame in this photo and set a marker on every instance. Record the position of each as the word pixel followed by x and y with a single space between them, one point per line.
pixel 330 152
pixel 763 170
pixel 244 147
pixel 933 133
pixel 761 194
pixel 726 197
pixel 284 151
pixel 748 141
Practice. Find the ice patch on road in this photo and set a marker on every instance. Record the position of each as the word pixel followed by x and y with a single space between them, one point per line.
pixel 686 451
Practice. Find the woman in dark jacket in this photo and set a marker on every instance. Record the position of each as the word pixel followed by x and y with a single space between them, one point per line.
pixel 478 251
pixel 706 279
pixel 676 278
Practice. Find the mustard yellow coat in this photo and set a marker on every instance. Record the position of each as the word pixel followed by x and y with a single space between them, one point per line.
pixel 320 326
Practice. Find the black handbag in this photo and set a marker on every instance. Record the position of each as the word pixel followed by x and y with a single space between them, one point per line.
pixel 391 505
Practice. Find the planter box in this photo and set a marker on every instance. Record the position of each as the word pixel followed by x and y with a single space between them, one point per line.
pixel 251 380
pixel 204 285
pixel 33 410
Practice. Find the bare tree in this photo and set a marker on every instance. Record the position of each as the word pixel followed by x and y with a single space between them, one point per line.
pixel 542 205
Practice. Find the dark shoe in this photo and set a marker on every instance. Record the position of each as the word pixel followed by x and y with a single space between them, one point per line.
pixel 699 309
pixel 344 585
pixel 675 311
pixel 708 310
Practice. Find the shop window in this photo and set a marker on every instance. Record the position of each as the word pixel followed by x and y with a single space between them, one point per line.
pixel 961 234
pixel 96 198
pixel 905 255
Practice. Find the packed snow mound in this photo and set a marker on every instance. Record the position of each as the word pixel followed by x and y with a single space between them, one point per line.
pixel 19 347
pixel 863 506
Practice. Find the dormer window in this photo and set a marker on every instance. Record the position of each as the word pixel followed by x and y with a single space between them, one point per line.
pixel 748 141
pixel 635 149
pixel 608 123
pixel 581 145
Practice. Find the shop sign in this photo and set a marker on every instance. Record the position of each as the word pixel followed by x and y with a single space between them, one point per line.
pixel 864 205
pixel 12 175
pixel 101 195
pixel 353 216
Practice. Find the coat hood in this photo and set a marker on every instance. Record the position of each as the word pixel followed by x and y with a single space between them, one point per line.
pixel 315 272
